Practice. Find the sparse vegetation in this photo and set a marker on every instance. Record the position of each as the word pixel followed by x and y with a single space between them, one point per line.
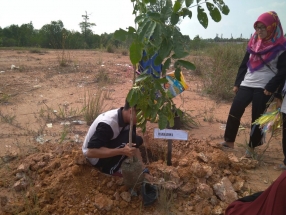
pixel 110 49
pixel 219 72
pixel 102 77
pixel 93 106
pixel 4 97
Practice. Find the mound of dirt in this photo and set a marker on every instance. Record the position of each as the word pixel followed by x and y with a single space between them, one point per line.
pixel 57 180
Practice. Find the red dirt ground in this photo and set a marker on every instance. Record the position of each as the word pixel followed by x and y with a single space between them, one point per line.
pixel 42 170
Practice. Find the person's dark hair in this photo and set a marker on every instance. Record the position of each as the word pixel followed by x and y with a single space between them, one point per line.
pixel 127 105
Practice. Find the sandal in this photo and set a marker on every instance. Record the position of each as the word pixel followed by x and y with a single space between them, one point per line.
pixel 225 145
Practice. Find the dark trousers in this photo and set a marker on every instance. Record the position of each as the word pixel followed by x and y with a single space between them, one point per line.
pixel 284 137
pixel 112 164
pixel 243 98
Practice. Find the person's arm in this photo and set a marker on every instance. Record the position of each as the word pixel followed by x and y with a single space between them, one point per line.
pixel 98 144
pixel 242 70
pixel 104 152
pixel 276 83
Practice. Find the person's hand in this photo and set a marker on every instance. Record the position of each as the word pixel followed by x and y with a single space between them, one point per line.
pixel 278 102
pixel 129 151
pixel 267 93
pixel 235 89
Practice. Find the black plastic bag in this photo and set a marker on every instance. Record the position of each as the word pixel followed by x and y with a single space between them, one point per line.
pixel 149 193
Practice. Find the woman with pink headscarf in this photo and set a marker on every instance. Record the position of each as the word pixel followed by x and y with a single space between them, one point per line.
pixel 260 76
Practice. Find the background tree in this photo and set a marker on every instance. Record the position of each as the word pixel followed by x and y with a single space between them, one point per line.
pixel 86 27
pixel 51 35
pixel 27 35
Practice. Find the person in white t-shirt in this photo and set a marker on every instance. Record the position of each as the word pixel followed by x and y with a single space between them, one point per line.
pixel 262 70
pixel 106 143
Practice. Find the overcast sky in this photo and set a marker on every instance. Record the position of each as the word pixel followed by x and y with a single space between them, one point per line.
pixel 110 15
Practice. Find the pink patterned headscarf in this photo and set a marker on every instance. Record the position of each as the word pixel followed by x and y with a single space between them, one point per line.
pixel 269 47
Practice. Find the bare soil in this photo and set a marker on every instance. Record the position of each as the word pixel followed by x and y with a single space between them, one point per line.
pixel 42 170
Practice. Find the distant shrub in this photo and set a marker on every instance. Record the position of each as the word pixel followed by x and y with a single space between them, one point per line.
pixel 220 69
pixel 124 52
pixel 38 51
pixel 110 49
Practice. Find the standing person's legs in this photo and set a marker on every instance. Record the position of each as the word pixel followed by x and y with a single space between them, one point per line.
pixel 240 102
pixel 284 138
pixel 258 108
pixel 112 164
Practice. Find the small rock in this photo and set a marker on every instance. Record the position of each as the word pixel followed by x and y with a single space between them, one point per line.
pixel 203 157
pixel 217 210
pixel 9 157
pixel 20 185
pixel 204 191
pixel 126 196
pixel 213 200
pixel 109 184
pixel 23 168
pixel 225 191
pixel 116 196
pixel 20 175
pixel 103 202
pixel 183 162
pixel 233 158
pixel 123 204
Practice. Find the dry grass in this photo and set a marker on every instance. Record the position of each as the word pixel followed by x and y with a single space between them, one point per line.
pixel 93 106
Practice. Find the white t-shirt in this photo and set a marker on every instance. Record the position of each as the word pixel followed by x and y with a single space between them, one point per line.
pixel 110 118
pixel 259 78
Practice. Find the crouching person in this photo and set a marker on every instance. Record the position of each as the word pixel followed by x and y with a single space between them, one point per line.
pixel 106 143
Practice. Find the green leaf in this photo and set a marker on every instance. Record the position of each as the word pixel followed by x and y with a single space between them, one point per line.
pixel 187 64
pixel 163 80
pixel 225 10
pixel 154 16
pixel 158 60
pixel 178 39
pixel 130 95
pixel 175 18
pixel 152 2
pixel 147 31
pixel 186 12
pixel 177 6
pixel 182 55
pixel 178 74
pixel 167 11
pixel 202 17
pixel 165 48
pixel 222 6
pixel 189 2
pixel 131 29
pixel 120 35
pixel 166 66
pixel 140 18
pixel 157 40
pixel 141 78
pixel 214 12
pixel 171 122
pixel 136 50
pixel 162 122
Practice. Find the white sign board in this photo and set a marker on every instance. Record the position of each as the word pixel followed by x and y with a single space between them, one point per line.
pixel 170 134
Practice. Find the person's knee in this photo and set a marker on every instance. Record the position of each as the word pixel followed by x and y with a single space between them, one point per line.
pixel 139 141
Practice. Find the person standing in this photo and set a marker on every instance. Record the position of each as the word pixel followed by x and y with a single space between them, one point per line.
pixel 262 70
